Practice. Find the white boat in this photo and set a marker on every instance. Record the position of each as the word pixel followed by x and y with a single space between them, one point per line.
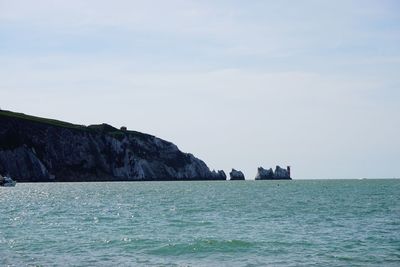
pixel 7 181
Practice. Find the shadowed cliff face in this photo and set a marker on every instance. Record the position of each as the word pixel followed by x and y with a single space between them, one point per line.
pixel 269 174
pixel 40 150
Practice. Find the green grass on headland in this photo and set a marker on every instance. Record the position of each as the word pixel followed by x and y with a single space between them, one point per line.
pixel 57 123
pixel 103 128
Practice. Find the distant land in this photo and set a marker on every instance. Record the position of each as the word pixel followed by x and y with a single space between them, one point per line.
pixel 34 149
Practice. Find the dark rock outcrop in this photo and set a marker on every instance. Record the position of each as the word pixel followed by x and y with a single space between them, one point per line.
pixel 34 149
pixel 6 181
pixel 269 174
pixel 236 175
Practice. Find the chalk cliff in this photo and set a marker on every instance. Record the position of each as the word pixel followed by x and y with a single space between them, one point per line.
pixel 34 149
pixel 236 175
pixel 269 174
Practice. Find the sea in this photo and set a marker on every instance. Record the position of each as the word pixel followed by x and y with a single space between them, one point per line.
pixel 225 223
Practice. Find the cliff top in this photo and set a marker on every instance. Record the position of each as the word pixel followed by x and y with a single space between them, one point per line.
pixel 103 128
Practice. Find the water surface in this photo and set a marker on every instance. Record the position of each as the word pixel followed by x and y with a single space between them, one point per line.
pixel 251 223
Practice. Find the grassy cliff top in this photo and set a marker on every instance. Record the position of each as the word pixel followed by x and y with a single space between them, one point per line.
pixel 57 123
pixel 104 128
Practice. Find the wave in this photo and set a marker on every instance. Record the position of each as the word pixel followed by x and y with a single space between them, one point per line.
pixel 204 246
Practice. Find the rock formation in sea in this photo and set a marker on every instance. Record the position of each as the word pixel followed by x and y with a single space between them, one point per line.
pixel 236 175
pixel 269 174
pixel 34 149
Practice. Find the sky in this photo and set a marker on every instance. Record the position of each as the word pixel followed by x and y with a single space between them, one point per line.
pixel 313 84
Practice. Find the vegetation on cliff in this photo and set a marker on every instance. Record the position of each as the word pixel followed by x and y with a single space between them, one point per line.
pixel 40 149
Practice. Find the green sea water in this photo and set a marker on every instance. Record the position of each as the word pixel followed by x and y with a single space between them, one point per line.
pixel 241 223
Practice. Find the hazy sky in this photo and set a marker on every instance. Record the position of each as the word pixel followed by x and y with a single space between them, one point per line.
pixel 313 84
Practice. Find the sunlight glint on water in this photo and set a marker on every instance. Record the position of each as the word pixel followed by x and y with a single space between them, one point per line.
pixel 285 223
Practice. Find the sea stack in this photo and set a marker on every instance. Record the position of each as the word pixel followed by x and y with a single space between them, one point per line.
pixel 236 175
pixel 269 174
pixel 219 175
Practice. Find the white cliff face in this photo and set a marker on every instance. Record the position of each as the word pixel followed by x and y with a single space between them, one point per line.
pixel 281 173
pixel 219 175
pixel 43 152
pixel 236 175
pixel 23 160
pixel 269 174
pixel 264 173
